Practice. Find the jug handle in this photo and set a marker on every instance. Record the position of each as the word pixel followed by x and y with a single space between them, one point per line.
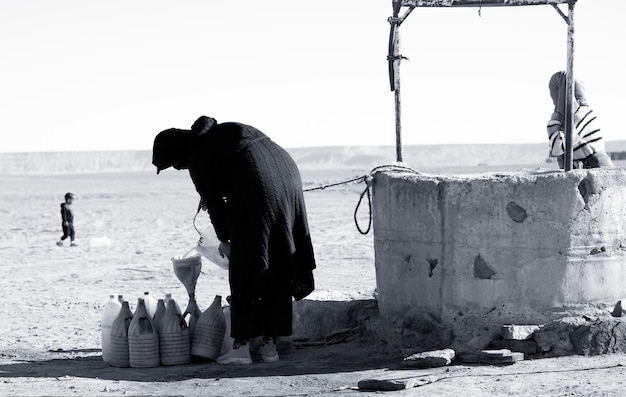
pixel 189 252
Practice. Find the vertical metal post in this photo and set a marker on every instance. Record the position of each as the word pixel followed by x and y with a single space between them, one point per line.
pixel 569 102
pixel 394 59
pixel 398 103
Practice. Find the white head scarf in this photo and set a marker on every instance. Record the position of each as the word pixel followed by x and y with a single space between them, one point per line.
pixel 558 91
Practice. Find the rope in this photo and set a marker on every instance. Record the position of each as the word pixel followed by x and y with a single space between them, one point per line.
pixel 336 184
pixel 194 221
pixel 369 204
pixel 368 179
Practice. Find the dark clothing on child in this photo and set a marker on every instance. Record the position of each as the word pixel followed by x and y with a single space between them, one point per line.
pixel 67 217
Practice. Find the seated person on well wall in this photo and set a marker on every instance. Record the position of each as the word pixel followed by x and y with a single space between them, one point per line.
pixel 588 144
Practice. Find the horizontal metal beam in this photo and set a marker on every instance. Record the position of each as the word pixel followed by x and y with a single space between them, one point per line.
pixel 477 3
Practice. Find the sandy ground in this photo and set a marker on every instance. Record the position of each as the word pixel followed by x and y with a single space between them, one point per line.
pixel 129 226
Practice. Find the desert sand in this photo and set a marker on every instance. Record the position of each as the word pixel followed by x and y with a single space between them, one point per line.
pixel 129 226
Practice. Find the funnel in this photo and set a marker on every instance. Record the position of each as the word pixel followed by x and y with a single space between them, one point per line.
pixel 187 269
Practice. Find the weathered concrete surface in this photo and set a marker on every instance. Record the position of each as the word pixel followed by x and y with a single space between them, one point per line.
pixel 492 249
pixel 317 320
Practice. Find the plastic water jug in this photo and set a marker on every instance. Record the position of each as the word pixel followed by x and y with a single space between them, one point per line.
pixel 109 313
pixel 143 339
pixel 158 315
pixel 119 337
pixel 151 303
pixel 174 337
pixel 208 246
pixel 168 297
pixel 191 315
pixel 209 333
pixel 227 344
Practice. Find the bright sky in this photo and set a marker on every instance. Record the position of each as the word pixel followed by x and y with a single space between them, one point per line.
pixel 111 74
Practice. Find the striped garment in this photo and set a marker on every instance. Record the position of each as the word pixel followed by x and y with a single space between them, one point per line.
pixel 587 139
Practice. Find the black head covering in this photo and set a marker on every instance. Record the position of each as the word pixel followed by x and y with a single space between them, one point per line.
pixel 171 149
pixel 202 125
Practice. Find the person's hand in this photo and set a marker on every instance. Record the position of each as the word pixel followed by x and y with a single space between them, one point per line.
pixel 224 249
pixel 66 223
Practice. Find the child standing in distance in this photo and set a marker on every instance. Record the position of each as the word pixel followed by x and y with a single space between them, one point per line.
pixel 67 216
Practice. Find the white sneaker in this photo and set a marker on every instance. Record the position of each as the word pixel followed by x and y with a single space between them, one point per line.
pixel 268 352
pixel 239 355
pixel 73 244
pixel 60 243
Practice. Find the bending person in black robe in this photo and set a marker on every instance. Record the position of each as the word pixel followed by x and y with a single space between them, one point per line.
pixel 252 190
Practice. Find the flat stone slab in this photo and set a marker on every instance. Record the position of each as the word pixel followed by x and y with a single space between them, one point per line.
pixel 430 359
pixel 495 357
pixel 395 384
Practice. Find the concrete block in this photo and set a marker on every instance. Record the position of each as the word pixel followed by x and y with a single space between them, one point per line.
pixel 528 346
pixel 511 248
pixel 315 320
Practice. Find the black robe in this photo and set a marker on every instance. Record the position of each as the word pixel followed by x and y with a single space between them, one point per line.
pixel 253 191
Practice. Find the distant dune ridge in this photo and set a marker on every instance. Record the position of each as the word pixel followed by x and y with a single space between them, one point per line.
pixel 308 158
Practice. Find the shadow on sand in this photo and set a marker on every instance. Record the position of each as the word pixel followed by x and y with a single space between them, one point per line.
pixel 336 358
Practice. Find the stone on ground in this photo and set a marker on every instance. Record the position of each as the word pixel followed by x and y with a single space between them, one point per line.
pixel 430 359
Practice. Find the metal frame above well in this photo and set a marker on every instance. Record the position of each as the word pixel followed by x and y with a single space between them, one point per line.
pixel 403 8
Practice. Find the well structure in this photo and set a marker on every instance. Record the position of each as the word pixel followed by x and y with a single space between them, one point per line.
pixel 493 249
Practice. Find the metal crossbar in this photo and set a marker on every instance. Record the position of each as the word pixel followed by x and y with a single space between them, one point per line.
pixel 477 3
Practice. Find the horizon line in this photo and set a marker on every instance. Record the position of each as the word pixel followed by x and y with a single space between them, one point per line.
pixel 299 147
pixel 308 147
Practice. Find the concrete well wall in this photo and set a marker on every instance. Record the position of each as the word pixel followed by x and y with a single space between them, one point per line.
pixel 516 247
